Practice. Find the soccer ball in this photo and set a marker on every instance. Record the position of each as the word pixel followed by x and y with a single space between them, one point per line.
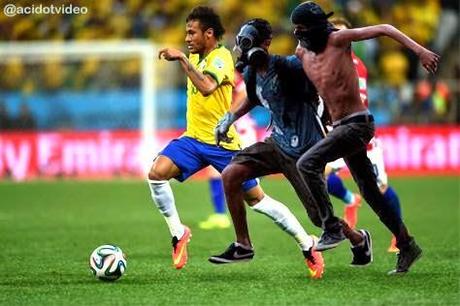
pixel 107 262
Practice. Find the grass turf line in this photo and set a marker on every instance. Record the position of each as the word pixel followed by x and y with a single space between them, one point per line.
pixel 48 230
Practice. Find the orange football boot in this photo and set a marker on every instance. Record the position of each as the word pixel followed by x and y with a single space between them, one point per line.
pixel 314 261
pixel 179 252
pixel 350 212
pixel 393 248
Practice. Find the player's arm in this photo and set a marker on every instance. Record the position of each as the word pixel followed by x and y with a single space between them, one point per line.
pixel 344 37
pixel 241 106
pixel 205 83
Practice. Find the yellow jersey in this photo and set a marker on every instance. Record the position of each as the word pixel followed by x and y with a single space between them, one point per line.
pixel 203 113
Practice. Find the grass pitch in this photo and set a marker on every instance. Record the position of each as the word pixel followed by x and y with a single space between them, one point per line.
pixel 48 230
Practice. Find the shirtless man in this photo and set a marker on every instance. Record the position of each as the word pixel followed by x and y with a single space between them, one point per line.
pixel 326 58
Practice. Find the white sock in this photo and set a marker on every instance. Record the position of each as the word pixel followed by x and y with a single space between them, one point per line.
pixel 284 218
pixel 163 198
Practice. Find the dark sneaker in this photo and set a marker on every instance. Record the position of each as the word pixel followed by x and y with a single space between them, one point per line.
pixel 362 254
pixel 406 257
pixel 234 253
pixel 329 240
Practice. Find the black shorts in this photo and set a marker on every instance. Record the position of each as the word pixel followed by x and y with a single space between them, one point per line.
pixel 266 158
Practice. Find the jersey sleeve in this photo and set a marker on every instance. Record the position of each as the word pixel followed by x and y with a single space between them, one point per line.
pixel 219 67
pixel 293 63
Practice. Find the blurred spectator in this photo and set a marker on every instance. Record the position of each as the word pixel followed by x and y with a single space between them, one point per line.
pixel 394 66
pixel 25 121
pixel 5 119
pixel 392 72
pixel 12 73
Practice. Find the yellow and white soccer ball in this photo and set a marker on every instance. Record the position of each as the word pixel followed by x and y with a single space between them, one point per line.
pixel 108 262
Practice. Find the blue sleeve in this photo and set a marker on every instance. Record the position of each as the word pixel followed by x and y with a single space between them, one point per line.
pixel 294 64
pixel 289 65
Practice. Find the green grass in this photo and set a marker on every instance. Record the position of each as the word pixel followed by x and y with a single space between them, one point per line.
pixel 48 230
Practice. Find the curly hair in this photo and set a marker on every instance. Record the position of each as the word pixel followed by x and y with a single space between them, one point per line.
pixel 208 20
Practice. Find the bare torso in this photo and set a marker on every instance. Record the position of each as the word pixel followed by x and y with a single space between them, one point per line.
pixel 334 76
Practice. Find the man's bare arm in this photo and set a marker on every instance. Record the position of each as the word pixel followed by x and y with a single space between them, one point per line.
pixel 344 37
pixel 203 82
pixel 241 107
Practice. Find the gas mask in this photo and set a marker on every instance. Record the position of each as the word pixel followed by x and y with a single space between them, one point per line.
pixel 247 48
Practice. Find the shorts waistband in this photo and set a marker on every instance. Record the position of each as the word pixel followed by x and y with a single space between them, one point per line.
pixel 359 117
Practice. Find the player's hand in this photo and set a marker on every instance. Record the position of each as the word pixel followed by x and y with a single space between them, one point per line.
pixel 221 130
pixel 170 54
pixel 429 60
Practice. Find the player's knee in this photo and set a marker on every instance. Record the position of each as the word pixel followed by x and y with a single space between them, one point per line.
pixel 305 165
pixel 156 175
pixel 231 176
pixel 254 195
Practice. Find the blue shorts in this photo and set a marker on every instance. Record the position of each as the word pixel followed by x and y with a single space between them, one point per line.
pixel 190 156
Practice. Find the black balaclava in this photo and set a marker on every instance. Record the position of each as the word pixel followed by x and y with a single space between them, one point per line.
pixel 312 16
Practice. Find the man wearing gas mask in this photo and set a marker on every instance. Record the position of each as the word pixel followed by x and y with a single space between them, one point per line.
pixel 326 58
pixel 278 84
pixel 210 72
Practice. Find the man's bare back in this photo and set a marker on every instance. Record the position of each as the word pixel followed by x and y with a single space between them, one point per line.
pixel 334 76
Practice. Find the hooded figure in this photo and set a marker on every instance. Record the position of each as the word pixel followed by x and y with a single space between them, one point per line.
pixel 312 27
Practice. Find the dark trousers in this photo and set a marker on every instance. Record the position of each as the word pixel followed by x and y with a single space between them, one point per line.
pixel 265 158
pixel 347 140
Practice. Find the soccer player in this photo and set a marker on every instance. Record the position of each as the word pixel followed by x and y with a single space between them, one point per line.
pixel 335 185
pixel 246 128
pixel 326 58
pixel 210 80
pixel 280 85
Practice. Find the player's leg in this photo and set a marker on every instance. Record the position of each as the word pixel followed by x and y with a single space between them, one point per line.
pixel 311 165
pixel 255 161
pixel 287 222
pixel 363 174
pixel 177 160
pixel 361 243
pixel 219 218
pixel 375 155
pixel 162 170
pixel 336 188
pixel 392 198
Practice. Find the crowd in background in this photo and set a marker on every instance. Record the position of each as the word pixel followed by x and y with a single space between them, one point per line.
pixel 25 121
pixel 400 91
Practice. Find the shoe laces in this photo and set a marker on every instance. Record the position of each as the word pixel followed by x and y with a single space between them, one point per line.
pixel 174 242
pixel 401 259
pixel 309 256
